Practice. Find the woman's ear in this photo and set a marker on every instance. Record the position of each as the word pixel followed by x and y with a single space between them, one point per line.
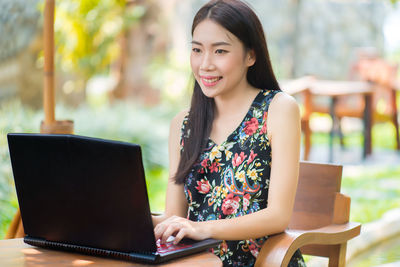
pixel 250 58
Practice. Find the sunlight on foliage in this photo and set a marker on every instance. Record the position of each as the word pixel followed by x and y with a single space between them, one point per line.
pixel 87 31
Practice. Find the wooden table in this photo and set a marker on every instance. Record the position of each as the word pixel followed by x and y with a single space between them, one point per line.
pixel 311 87
pixel 14 252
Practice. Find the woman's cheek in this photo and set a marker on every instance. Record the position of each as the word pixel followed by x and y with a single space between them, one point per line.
pixel 194 63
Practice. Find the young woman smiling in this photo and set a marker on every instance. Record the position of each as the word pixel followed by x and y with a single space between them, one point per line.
pixel 234 156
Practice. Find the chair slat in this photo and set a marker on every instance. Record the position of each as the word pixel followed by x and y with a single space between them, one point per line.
pixel 315 197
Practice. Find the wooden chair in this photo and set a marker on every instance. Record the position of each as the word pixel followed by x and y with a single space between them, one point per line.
pixel 320 222
pixel 383 76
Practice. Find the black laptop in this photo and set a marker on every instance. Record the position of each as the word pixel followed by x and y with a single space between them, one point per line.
pixel 88 195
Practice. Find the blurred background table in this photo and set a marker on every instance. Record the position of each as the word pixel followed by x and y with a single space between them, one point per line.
pixel 309 87
pixel 14 252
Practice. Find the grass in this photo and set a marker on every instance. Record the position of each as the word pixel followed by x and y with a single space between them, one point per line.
pixel 388 252
pixel 373 192
pixel 383 137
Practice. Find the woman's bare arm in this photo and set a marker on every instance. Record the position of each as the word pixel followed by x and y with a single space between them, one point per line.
pixel 176 203
pixel 284 132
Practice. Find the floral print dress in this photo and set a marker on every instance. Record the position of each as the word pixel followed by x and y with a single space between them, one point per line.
pixel 232 179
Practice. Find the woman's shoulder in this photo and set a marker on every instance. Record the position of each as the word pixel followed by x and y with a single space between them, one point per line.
pixel 180 116
pixel 284 108
pixel 282 100
pixel 277 97
pixel 177 122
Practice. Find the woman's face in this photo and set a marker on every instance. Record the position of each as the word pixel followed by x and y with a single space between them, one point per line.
pixel 218 59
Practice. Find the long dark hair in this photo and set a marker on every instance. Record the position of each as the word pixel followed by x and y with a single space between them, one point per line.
pixel 239 19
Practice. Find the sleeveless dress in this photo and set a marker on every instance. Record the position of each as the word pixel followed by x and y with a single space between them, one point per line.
pixel 232 179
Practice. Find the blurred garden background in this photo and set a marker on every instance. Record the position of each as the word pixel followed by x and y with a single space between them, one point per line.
pixel 122 72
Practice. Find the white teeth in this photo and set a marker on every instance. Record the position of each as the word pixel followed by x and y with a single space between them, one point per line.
pixel 211 80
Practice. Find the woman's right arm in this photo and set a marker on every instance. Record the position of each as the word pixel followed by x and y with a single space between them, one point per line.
pixel 176 203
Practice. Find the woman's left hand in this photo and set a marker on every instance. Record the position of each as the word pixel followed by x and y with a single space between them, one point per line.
pixel 180 228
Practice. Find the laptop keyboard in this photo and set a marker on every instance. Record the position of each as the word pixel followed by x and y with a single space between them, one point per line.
pixel 170 247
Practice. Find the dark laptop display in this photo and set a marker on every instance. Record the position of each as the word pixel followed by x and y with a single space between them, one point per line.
pixel 88 195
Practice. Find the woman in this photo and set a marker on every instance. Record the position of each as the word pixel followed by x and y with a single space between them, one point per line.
pixel 223 182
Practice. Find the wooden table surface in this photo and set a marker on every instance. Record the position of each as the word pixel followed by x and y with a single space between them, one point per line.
pixel 326 87
pixel 14 252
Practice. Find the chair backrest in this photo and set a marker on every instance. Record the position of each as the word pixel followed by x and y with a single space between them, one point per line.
pixel 317 192
pixel 383 75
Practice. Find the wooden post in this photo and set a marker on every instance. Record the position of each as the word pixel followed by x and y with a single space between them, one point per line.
pixel 48 34
pixel 305 123
pixel 49 125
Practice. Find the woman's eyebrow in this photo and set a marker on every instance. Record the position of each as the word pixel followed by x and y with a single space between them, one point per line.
pixel 213 44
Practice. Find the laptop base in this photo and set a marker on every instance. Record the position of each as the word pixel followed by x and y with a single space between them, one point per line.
pixel 143 257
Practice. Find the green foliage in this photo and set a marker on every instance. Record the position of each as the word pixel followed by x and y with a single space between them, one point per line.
pixel 383 136
pixel 373 191
pixel 123 121
pixel 385 254
pixel 87 31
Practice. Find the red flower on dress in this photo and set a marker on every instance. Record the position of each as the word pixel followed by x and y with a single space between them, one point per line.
pixel 230 204
pixel 251 157
pixel 204 163
pixel 253 249
pixel 214 167
pixel 238 159
pixel 223 248
pixel 264 128
pixel 251 126
pixel 265 115
pixel 203 186
pixel 246 201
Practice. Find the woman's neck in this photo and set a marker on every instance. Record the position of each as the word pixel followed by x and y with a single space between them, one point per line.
pixel 237 101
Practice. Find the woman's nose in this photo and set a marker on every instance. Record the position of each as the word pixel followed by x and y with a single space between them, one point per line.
pixel 207 62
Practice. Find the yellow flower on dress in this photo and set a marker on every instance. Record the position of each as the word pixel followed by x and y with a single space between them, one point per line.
pixel 240 176
pixel 215 153
pixel 224 192
pixel 228 155
pixel 252 174
pixel 218 190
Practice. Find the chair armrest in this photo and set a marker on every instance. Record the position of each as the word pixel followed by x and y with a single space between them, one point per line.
pixel 278 249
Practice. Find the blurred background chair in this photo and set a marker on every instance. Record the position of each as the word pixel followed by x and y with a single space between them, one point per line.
pixel 382 75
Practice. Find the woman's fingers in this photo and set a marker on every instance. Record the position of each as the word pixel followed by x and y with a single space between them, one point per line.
pixel 159 230
pixel 181 234
pixel 171 229
pixel 174 225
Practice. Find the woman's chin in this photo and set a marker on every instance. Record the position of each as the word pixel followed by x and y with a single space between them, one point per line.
pixel 209 93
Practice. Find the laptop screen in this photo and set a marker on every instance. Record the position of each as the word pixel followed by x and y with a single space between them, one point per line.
pixel 83 191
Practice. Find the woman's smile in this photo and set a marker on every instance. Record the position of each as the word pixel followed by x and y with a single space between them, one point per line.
pixel 210 81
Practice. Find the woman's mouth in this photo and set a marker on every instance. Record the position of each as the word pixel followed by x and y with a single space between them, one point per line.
pixel 210 81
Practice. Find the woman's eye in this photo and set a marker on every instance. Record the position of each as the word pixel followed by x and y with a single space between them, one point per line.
pixel 196 50
pixel 220 51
